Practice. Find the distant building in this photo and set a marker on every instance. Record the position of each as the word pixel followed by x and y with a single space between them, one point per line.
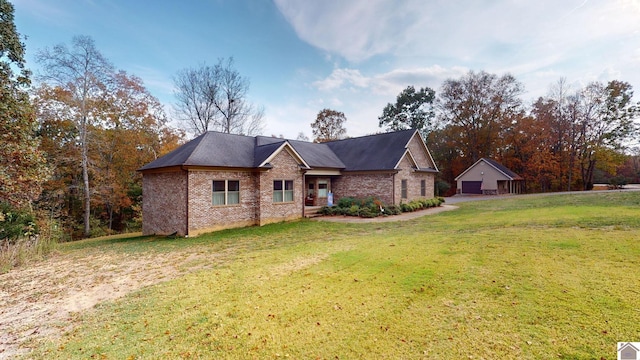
pixel 489 177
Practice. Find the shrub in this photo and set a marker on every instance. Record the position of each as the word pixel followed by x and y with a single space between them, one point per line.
pixel 392 210
pixel 405 207
pixel 354 210
pixel 346 202
pixel 24 237
pixel 442 187
pixel 15 224
pixel 367 213
pixel 372 207
pixel 618 182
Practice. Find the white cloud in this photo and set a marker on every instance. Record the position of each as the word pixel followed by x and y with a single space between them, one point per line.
pixel 341 77
pixel 388 83
pixel 355 30
pixel 531 40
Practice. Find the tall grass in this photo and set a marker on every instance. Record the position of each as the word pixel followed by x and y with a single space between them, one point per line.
pixel 527 277
pixel 26 249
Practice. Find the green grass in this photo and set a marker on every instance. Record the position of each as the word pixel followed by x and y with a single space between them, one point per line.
pixel 527 277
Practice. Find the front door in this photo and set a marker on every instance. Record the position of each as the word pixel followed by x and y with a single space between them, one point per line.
pixel 310 196
pixel 317 190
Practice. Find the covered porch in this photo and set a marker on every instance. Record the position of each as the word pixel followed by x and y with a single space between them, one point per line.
pixel 510 186
pixel 317 184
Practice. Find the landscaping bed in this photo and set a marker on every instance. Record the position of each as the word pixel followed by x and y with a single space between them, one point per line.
pixel 371 207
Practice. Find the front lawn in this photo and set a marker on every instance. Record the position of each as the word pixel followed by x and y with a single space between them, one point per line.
pixel 527 277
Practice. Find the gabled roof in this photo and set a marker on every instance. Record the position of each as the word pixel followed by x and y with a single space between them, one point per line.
pixel 372 152
pixel 496 165
pixel 315 155
pixel 215 149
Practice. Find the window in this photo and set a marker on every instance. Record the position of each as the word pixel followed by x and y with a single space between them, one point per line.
pixel 311 190
pixel 322 188
pixel 226 192
pixel 282 190
pixel 423 187
pixel 403 188
pixel 288 190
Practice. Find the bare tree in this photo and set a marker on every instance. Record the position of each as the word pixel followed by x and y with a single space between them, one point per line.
pixel 302 136
pixel 83 73
pixel 329 126
pixel 215 98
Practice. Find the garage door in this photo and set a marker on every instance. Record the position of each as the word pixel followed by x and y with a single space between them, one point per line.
pixel 472 187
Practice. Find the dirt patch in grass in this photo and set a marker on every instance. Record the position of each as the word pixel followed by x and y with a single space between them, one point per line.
pixel 39 301
pixel 298 264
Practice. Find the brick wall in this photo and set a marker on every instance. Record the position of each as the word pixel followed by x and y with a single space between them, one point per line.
pixel 164 205
pixel 205 217
pixel 413 178
pixel 285 167
pixel 419 153
pixel 379 185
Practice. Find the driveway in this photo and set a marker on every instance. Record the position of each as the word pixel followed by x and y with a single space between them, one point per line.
pixel 448 205
pixel 464 198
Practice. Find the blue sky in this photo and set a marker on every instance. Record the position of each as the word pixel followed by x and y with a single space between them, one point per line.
pixel 352 56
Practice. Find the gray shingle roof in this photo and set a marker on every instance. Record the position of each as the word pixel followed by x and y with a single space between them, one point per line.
pixel 210 149
pixel 373 152
pixel 262 152
pixel 315 155
pixel 505 170
pixel 215 149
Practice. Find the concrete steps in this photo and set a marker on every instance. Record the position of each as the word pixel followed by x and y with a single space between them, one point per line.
pixel 312 211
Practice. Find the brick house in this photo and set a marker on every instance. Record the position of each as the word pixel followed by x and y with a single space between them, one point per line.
pixel 219 180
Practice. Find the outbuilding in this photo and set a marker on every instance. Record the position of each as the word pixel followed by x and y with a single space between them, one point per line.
pixel 489 177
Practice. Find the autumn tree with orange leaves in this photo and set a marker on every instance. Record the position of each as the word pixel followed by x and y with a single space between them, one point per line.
pixel 560 143
pixel 98 126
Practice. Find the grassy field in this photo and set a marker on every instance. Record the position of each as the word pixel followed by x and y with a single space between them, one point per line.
pixel 527 277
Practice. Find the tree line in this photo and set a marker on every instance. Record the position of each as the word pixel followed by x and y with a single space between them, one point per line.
pixel 562 141
pixel 73 139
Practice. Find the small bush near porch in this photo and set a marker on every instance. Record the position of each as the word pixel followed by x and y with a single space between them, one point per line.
pixel 371 207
